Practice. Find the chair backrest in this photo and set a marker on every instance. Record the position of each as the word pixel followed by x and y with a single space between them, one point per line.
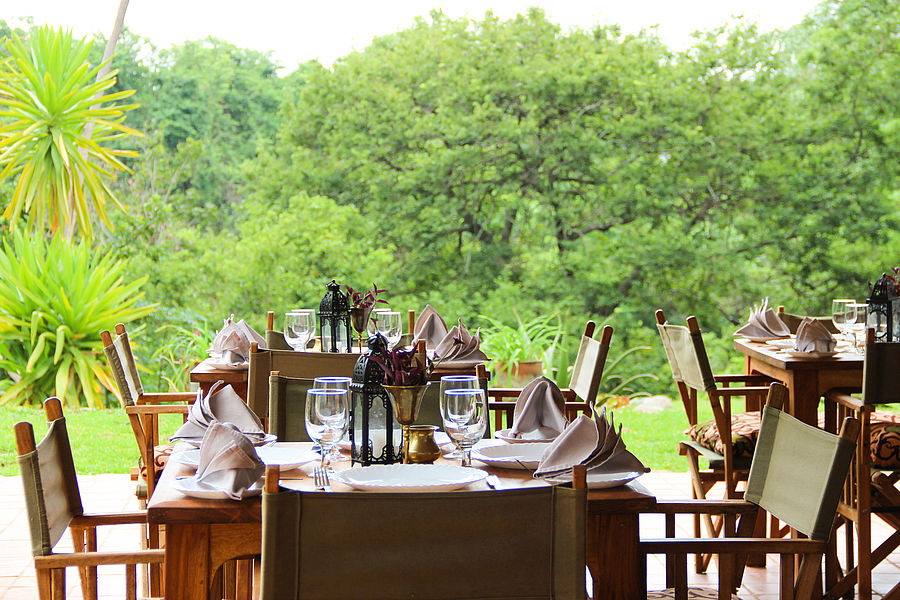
pixel 274 338
pixel 52 497
pixel 686 353
pixel 589 363
pixel 303 365
pixel 424 545
pixel 798 470
pixel 881 373
pixel 124 368
pixel 792 322
pixel 287 407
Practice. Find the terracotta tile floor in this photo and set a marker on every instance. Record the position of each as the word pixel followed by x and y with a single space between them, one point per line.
pixel 115 492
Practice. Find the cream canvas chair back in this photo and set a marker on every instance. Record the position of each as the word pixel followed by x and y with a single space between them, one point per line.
pixel 686 353
pixel 589 363
pixel 125 373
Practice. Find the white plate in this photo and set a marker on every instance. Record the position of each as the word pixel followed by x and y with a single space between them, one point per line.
pixel 598 481
pixel 441 438
pixel 762 339
pixel 511 456
pixel 784 343
pixel 798 354
pixel 285 457
pixel 190 487
pixel 409 478
pixel 267 440
pixel 210 362
pixel 532 437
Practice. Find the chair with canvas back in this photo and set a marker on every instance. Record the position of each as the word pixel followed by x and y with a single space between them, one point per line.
pixel 728 455
pixel 870 490
pixel 584 381
pixel 53 504
pixel 466 558
pixel 274 338
pixel 797 475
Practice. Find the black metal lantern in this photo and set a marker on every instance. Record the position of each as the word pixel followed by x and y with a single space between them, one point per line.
pixel 334 320
pixel 883 312
pixel 374 434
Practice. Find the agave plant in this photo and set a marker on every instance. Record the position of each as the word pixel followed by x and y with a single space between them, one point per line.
pixel 55 298
pixel 57 124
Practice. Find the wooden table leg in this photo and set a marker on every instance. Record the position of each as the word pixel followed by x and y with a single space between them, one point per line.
pixel 613 556
pixel 187 561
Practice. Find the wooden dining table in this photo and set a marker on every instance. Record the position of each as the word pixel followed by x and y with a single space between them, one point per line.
pixel 807 379
pixel 202 534
pixel 205 376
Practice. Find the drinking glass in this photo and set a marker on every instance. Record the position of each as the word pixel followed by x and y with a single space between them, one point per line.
pixel 334 383
pixel 839 313
pixel 299 328
pixel 327 416
pixel 455 382
pixel 371 327
pixel 857 327
pixel 390 326
pixel 465 419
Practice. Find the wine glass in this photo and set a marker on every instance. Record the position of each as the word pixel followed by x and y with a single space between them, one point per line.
pixel 857 327
pixel 327 416
pixel 299 328
pixel 334 383
pixel 371 327
pixel 390 326
pixel 465 419
pixel 839 313
pixel 455 382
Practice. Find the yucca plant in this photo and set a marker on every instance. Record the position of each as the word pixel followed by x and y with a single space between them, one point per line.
pixel 55 298
pixel 56 123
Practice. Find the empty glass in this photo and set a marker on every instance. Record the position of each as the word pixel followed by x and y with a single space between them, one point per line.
pixel 839 313
pixel 455 382
pixel 327 416
pixel 334 383
pixel 857 327
pixel 390 326
pixel 299 328
pixel 465 418
pixel 371 328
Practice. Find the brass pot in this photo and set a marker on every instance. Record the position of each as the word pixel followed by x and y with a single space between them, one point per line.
pixel 422 447
pixel 406 400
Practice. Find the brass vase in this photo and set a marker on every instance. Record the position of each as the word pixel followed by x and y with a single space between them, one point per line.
pixel 406 400
pixel 359 318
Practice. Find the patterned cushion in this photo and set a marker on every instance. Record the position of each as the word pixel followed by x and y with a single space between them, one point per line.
pixel 693 592
pixel 161 456
pixel 744 431
pixel 885 440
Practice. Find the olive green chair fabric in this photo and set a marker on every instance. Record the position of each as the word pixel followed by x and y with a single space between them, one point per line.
pixel 524 544
pixel 275 340
pixel 287 407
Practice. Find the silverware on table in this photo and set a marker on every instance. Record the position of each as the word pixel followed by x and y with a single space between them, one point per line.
pixel 494 482
pixel 320 476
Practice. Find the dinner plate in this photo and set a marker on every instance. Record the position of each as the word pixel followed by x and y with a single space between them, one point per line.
pixel 799 354
pixel 285 457
pixel 763 339
pixel 511 456
pixel 267 440
pixel 598 481
pixel 532 437
pixel 409 478
pixel 783 343
pixel 226 366
pixel 189 486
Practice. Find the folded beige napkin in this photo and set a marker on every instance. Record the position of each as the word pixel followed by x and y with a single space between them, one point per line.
pixel 764 323
pixel 231 347
pixel 430 326
pixel 458 346
pixel 594 443
pixel 228 461
pixel 537 415
pixel 222 405
pixel 813 336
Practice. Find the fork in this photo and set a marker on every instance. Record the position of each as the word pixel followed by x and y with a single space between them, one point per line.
pixel 320 476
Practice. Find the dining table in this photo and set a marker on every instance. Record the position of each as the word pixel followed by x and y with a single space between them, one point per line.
pixel 203 534
pixel 206 375
pixel 806 377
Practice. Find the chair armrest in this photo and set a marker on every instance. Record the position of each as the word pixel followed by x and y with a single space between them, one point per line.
pixel 730 546
pixel 157 409
pixel 93 559
pixel 844 398
pixel 99 519
pixel 746 378
pixel 701 507
pixel 167 397
pixel 567 393
pixel 741 391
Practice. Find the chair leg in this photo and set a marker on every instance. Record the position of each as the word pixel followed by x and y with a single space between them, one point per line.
pixel 44 583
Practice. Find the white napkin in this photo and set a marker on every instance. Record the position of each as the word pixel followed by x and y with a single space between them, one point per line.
pixel 430 326
pixel 537 415
pixel 594 443
pixel 223 405
pixel 448 351
pixel 228 461
pixel 813 336
pixel 764 323
pixel 231 347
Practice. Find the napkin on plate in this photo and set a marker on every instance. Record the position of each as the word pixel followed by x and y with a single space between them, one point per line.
pixel 231 347
pixel 537 415
pixel 813 336
pixel 764 323
pixel 223 405
pixel 430 326
pixel 228 461
pixel 458 346
pixel 594 443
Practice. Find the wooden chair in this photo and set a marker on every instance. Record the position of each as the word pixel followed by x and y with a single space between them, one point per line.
pixel 584 382
pixel 385 535
pixel 53 504
pixel 792 322
pixel 274 338
pixel 693 375
pixel 797 474
pixel 287 407
pixel 870 490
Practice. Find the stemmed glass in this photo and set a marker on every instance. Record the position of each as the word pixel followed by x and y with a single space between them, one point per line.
pixel 334 383
pixel 327 416
pixel 839 313
pixel 465 419
pixel 857 326
pixel 299 328
pixel 390 326
pixel 455 382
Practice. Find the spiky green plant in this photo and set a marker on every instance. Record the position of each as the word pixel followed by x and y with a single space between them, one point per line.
pixel 55 298
pixel 56 123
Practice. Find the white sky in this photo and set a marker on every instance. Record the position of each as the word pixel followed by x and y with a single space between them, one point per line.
pixel 300 30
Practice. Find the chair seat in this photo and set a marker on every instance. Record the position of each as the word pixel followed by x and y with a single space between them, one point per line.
pixel 744 431
pixel 693 592
pixel 161 456
pixel 884 440
pixel 717 461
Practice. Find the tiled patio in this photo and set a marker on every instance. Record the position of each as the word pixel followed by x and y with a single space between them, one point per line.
pixel 115 492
